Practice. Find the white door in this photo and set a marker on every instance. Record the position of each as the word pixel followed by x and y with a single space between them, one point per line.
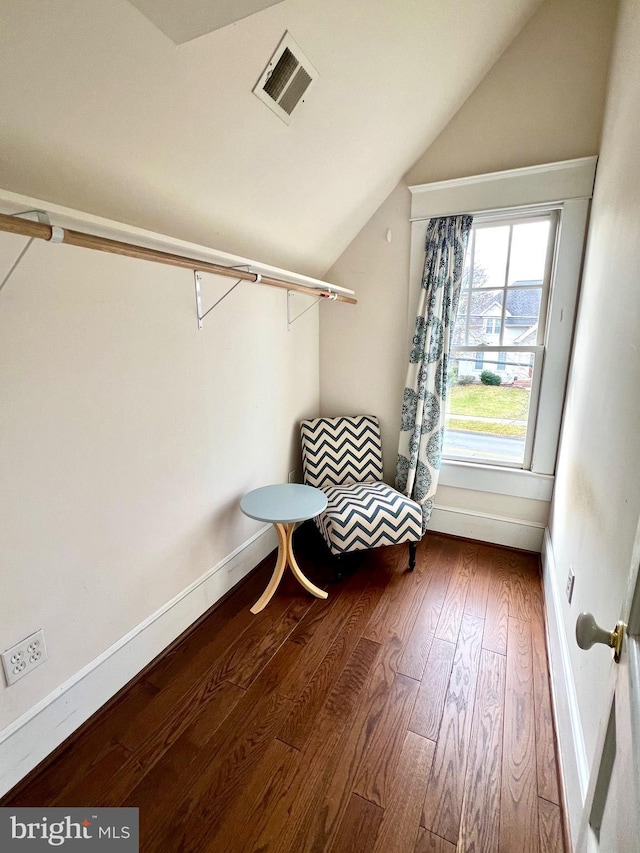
pixel 611 817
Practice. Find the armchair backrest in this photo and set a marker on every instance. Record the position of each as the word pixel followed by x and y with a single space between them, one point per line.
pixel 341 451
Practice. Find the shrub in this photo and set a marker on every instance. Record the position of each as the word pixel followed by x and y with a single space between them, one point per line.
pixel 466 380
pixel 489 378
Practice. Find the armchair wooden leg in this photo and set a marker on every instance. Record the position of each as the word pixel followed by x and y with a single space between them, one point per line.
pixel 412 556
pixel 337 573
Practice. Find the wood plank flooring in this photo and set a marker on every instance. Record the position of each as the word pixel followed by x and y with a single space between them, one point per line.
pixel 407 713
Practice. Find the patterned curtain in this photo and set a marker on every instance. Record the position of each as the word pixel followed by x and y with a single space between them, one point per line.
pixel 423 409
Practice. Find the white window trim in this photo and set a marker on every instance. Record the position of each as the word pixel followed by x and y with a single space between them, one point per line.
pixel 568 186
pixel 510 190
pixel 514 482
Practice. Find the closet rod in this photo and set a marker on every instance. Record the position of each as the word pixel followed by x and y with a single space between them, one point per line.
pixel 28 228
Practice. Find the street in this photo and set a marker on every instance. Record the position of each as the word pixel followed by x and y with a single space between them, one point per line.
pixel 478 445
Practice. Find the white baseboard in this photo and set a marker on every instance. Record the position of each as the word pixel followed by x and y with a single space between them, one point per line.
pixel 28 740
pixel 574 765
pixel 498 530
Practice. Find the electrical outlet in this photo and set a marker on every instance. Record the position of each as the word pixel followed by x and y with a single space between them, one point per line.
pixel 23 657
pixel 292 476
pixel 571 578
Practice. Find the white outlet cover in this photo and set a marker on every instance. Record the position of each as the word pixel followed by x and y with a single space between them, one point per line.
pixel 24 656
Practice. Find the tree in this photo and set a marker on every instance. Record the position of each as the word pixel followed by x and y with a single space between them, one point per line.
pixel 473 332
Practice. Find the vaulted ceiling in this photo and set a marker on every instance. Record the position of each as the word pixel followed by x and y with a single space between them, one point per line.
pixel 101 111
pixel 189 19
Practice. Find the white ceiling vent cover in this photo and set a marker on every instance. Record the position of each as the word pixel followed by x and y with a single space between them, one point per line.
pixel 286 79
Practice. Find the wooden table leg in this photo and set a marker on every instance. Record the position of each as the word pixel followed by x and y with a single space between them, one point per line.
pixel 285 555
pixel 297 571
pixel 276 577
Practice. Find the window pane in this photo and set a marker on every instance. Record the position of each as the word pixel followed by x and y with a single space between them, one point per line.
pixel 490 259
pixel 528 253
pixel 485 314
pixel 466 269
pixel 460 327
pixel 521 319
pixel 479 317
pixel 488 422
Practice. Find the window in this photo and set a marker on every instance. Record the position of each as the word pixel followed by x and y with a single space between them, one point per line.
pixel 498 339
pixel 501 202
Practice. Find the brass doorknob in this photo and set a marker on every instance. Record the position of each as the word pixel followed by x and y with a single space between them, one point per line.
pixel 588 632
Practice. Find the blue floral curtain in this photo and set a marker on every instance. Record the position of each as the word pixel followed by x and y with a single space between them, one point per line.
pixel 423 409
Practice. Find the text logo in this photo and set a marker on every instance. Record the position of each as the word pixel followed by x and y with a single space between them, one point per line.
pixel 31 829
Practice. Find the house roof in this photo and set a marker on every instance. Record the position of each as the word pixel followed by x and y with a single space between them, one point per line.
pixel 523 305
pixel 529 335
pixel 106 114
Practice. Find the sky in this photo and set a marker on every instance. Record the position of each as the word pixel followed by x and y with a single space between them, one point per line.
pixel 528 251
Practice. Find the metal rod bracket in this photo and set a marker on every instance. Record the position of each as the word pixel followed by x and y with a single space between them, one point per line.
pixel 290 294
pixel 43 217
pixel 57 233
pixel 197 276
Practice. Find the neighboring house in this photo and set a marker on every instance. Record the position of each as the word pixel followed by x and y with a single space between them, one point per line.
pixel 518 327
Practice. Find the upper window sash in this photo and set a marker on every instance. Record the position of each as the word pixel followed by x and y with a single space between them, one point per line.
pixel 509 216
pixel 506 218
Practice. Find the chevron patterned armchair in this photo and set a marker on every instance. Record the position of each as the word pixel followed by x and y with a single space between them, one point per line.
pixel 343 457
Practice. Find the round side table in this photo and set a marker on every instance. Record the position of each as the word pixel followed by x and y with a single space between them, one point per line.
pixel 283 505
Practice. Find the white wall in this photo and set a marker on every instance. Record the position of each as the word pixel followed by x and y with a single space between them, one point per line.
pixel 102 112
pixel 362 365
pixel 542 102
pixel 127 439
pixel 364 351
pixel 597 496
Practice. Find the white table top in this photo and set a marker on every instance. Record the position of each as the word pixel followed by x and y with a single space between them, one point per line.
pixel 283 503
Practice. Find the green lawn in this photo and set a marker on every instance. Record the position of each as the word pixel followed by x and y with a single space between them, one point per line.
pixel 489 401
pixel 483 426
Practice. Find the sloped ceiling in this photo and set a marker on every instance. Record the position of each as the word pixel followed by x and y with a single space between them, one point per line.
pixel 189 19
pixel 102 112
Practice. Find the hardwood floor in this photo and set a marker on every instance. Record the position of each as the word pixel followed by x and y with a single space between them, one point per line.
pixel 407 713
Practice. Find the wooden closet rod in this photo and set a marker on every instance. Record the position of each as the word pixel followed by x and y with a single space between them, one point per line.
pixel 28 228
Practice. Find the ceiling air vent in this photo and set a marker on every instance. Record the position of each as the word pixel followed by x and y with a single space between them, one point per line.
pixel 286 79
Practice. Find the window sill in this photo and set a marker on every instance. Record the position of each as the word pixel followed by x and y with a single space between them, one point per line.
pixel 501 481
